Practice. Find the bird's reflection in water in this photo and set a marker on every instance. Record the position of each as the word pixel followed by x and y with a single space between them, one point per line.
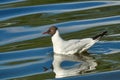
pixel 84 63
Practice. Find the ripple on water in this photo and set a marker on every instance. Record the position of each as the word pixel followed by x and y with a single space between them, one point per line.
pixel 8 70
pixel 107 47
pixel 17 34
pixel 53 8
pixel 32 61
pixel 24 54
pixel 9 1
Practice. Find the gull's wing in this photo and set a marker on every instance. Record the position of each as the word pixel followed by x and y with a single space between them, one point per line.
pixel 76 44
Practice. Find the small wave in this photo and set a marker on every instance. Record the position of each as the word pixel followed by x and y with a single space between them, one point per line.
pixel 17 34
pixel 53 8
pixel 9 1
pixel 106 47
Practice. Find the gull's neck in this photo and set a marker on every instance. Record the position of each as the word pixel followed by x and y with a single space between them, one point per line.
pixel 57 42
pixel 56 38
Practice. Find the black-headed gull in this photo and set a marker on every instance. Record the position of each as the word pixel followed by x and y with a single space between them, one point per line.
pixel 72 46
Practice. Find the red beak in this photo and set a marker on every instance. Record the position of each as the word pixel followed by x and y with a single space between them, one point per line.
pixel 45 32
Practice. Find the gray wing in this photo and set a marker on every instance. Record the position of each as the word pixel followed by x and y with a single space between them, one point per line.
pixel 76 44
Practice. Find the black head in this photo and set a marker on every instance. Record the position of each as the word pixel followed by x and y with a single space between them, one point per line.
pixel 51 30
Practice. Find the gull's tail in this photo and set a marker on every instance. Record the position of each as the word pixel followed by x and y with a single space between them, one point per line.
pixel 97 37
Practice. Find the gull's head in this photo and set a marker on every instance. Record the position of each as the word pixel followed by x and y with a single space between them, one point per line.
pixel 51 30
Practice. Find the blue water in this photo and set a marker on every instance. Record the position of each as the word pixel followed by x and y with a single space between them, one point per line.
pixel 25 53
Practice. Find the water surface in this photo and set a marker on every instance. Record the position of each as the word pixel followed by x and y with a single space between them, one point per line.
pixel 25 53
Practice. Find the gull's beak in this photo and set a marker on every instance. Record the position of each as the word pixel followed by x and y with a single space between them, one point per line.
pixel 46 32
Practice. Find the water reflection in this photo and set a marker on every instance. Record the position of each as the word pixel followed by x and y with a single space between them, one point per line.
pixel 23 55
pixel 78 64
pixel 9 1
pixel 18 34
pixel 52 8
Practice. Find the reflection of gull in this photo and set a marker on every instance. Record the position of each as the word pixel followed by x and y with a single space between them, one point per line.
pixel 85 63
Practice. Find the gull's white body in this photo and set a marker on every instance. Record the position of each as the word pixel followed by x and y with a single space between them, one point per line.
pixel 73 46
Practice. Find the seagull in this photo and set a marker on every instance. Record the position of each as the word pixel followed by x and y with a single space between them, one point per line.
pixel 73 46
